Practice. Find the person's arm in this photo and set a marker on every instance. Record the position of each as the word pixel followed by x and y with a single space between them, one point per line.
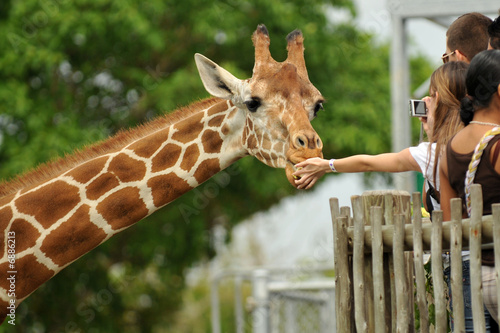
pixel 446 191
pixel 312 169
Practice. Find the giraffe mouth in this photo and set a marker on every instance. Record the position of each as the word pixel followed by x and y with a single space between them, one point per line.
pixel 293 159
pixel 289 170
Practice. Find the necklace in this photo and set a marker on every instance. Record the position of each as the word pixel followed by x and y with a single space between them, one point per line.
pixel 484 123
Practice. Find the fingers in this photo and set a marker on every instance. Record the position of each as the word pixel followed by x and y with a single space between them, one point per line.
pixel 301 186
pixel 298 174
pixel 306 182
pixel 308 172
pixel 310 161
pixel 301 175
pixel 301 182
pixel 311 184
pixel 303 164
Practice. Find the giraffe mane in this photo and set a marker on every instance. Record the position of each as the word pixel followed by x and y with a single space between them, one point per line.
pixel 62 164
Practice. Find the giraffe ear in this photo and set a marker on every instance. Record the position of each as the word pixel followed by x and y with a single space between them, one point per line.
pixel 217 81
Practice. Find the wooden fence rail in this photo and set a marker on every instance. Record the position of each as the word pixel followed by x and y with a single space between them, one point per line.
pixel 379 266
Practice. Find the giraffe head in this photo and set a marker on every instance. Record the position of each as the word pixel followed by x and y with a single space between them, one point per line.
pixel 276 104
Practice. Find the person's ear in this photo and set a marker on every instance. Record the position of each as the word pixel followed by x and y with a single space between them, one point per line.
pixel 461 57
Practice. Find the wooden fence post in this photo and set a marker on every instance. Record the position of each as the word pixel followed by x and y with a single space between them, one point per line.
pixel 392 202
pixel 437 271
pixel 346 211
pixel 363 285
pixel 402 317
pixel 419 264
pixel 378 270
pixel 456 265
pixel 475 258
pixel 343 299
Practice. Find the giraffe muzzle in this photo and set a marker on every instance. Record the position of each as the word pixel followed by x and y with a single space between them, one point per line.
pixel 304 145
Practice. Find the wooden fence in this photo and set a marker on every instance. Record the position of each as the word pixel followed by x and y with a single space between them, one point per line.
pixel 379 267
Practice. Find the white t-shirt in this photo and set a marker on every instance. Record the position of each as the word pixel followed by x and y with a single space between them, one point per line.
pixel 421 155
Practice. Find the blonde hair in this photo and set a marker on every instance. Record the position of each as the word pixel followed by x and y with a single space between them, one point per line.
pixel 448 81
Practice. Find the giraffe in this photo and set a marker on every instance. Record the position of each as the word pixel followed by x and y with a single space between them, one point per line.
pixel 55 214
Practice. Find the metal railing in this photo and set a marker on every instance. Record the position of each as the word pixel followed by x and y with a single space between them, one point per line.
pixel 279 301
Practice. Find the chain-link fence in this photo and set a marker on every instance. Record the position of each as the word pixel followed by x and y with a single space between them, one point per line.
pixel 294 311
pixel 278 302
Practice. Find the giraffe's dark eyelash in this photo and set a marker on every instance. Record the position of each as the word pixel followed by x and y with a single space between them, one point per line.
pixel 318 107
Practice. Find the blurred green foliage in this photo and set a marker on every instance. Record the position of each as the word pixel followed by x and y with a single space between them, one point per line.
pixel 75 72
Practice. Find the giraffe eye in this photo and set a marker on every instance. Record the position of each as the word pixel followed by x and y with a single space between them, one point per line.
pixel 317 107
pixel 253 104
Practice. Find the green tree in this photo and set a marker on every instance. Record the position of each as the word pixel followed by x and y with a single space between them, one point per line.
pixel 75 72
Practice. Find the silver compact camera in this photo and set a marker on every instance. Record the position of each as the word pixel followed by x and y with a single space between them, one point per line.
pixel 418 108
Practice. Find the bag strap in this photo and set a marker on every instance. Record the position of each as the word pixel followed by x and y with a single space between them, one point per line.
pixel 476 158
pixel 432 191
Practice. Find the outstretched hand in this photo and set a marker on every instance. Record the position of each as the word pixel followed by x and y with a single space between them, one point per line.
pixel 310 171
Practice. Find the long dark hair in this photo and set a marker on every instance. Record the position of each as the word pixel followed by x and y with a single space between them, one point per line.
pixel 483 78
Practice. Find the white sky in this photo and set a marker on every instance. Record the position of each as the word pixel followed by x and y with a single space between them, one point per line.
pixel 425 37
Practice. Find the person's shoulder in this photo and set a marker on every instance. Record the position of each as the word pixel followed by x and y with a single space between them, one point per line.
pixel 422 147
pixel 420 154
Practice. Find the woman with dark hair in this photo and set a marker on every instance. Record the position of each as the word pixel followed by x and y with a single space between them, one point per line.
pixel 480 112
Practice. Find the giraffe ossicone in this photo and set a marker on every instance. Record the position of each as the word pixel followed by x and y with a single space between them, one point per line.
pixel 60 211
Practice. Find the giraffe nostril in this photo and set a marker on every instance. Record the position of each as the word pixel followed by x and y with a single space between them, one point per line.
pixel 301 142
pixel 309 141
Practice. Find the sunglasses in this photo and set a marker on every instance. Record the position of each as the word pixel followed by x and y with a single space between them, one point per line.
pixel 446 57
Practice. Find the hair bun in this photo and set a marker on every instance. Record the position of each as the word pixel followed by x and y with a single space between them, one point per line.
pixel 467 109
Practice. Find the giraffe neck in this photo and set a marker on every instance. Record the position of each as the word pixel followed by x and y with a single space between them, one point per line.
pixel 63 218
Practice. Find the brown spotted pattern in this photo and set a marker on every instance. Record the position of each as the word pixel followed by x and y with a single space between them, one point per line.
pixel 58 221
pixel 149 145
pixel 26 234
pixel 126 168
pixel 166 188
pixel 30 272
pixel 67 242
pixel 123 208
pixel 167 157
pixel 89 170
pixel 101 185
pixel 49 203
pixel 190 158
